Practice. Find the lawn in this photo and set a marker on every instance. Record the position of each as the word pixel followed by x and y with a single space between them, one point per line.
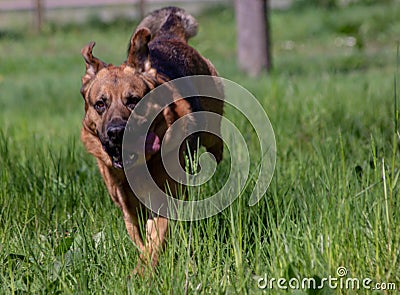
pixel 333 201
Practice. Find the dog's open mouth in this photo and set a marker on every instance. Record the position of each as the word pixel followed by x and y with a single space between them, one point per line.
pixel 115 153
pixel 117 162
pixel 114 150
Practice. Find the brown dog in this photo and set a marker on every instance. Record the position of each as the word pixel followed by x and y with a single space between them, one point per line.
pixel 158 52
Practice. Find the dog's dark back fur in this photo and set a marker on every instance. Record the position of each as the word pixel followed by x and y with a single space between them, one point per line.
pixel 156 20
pixel 170 55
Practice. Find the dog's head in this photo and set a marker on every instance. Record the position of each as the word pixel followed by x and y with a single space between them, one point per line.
pixel 112 92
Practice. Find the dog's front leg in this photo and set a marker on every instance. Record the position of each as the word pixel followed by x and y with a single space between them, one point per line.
pixel 156 231
pixel 132 225
pixel 123 197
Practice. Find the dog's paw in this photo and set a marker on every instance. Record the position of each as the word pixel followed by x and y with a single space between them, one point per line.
pixel 143 269
pixel 140 269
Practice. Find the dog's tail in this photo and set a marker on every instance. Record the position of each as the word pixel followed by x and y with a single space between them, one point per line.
pixel 156 20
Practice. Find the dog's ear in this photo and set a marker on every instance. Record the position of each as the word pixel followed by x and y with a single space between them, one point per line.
pixel 138 51
pixel 93 64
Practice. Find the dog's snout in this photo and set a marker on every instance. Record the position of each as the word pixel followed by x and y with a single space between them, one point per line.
pixel 115 133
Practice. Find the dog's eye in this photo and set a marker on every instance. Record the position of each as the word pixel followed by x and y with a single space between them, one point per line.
pixel 132 101
pixel 100 106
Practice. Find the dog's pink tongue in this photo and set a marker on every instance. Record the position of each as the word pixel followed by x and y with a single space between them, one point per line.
pixel 152 143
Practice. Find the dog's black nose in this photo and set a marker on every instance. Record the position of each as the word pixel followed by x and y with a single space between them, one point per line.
pixel 115 133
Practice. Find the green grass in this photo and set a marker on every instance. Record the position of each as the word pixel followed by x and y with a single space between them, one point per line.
pixel 333 201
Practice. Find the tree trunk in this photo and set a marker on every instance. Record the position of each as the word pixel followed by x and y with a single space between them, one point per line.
pixel 39 15
pixel 253 40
